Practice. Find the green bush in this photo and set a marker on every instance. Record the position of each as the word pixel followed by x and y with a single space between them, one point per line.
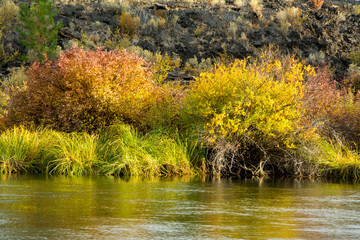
pixel 355 58
pixel 39 32
pixel 8 15
pixel 128 24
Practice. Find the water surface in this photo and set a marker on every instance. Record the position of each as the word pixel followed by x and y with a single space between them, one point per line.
pixel 186 208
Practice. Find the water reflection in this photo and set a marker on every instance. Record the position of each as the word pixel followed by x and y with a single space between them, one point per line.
pixel 185 208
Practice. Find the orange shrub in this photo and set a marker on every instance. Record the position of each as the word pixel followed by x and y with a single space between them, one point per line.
pixel 318 3
pixel 85 90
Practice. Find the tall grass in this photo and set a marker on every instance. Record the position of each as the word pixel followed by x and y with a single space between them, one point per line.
pixel 118 150
pixel 337 158
pixel 21 150
pixel 128 153
pixel 73 154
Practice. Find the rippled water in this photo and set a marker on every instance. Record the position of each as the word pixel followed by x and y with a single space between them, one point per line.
pixel 188 208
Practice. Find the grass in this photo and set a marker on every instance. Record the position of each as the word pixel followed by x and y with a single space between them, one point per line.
pixel 118 150
pixel 338 159
pixel 21 150
pixel 325 157
pixel 128 153
pixel 72 154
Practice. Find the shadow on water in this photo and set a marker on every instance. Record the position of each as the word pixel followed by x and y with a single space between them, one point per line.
pixel 46 207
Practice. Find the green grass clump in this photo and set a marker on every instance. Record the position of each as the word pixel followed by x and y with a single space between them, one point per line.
pixel 337 158
pixel 21 150
pixel 118 150
pixel 126 152
pixel 73 154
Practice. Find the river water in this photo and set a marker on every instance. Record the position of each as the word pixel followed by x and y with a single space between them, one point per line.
pixel 40 207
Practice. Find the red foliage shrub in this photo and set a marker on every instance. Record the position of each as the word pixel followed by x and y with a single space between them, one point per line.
pixel 320 95
pixel 85 90
pixel 332 108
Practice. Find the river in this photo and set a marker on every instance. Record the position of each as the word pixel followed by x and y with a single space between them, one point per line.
pixel 41 207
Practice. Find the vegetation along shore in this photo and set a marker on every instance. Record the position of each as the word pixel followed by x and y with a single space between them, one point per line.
pixel 226 88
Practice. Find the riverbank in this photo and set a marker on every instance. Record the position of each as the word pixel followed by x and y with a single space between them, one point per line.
pixel 116 108
pixel 121 151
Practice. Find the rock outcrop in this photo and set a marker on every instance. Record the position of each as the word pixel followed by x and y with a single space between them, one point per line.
pixel 202 30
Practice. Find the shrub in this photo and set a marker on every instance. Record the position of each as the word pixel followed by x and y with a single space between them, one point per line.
pixel 290 16
pixel 85 90
pixel 8 15
pixel 332 108
pixel 39 32
pixel 128 24
pixel 195 67
pixel 247 109
pixel 3 104
pixel 355 57
pixel 257 7
pixel 320 97
pixel 117 41
pixel 163 64
pixel 14 82
pixel 165 113
pixel 4 56
pixel 318 4
pixel 344 116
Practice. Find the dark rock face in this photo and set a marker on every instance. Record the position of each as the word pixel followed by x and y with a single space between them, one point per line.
pixel 208 31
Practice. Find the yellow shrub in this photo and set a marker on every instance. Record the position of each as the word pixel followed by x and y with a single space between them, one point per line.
pixel 249 105
pixel 128 23
pixel 163 64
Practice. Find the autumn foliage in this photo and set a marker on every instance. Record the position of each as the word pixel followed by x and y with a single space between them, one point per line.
pixel 318 3
pixel 85 90
pixel 248 107
pixel 332 108
pixel 252 116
